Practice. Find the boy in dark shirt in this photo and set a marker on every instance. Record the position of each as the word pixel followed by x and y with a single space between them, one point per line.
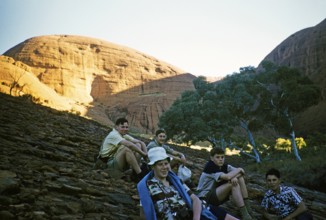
pixel 218 180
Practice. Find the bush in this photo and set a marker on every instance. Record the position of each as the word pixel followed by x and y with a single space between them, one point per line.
pixel 285 144
pixel 309 173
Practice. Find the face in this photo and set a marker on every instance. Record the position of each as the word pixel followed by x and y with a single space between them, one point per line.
pixel 273 182
pixel 218 159
pixel 161 169
pixel 160 138
pixel 122 128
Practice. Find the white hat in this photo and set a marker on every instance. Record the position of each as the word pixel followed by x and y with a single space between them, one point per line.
pixel 156 154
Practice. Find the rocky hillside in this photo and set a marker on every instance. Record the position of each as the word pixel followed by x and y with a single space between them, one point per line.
pixel 93 78
pixel 306 50
pixel 46 169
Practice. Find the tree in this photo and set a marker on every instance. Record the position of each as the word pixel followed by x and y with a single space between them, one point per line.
pixel 239 95
pixel 290 93
pixel 215 110
pixel 181 121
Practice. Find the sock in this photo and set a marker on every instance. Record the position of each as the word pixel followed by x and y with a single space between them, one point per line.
pixel 244 213
pixel 247 204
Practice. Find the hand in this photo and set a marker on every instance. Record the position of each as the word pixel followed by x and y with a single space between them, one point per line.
pixel 144 154
pixel 183 160
pixel 234 181
pixel 241 171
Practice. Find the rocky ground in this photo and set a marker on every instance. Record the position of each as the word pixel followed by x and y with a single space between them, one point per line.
pixel 46 169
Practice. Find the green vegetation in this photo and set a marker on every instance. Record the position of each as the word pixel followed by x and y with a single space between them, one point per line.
pixel 254 113
pixel 309 173
pixel 266 102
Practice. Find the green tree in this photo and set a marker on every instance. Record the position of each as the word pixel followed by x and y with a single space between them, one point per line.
pixel 214 110
pixel 290 93
pixel 238 92
pixel 182 120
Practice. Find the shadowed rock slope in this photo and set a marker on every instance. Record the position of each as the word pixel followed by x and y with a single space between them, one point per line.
pixel 306 50
pixel 93 78
pixel 46 169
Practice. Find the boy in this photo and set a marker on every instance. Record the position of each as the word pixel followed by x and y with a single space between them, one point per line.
pixel 283 200
pixel 159 141
pixel 218 180
pixel 121 151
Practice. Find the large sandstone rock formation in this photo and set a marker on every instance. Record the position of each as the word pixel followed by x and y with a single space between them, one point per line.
pixel 94 78
pixel 306 50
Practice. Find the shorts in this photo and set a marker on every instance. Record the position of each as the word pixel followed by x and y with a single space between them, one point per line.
pixel 211 197
pixel 219 212
pixel 113 164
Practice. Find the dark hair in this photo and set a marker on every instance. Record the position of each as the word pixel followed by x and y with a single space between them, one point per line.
pixel 216 150
pixel 274 172
pixel 159 131
pixel 121 121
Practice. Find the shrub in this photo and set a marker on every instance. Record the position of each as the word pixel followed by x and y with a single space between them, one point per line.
pixel 285 144
pixel 309 173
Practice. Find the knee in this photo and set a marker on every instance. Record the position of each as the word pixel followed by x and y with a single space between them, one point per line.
pixel 229 185
pixel 138 145
pixel 127 150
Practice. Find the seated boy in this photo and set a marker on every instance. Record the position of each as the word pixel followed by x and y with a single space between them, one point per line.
pixel 283 200
pixel 160 141
pixel 121 151
pixel 218 180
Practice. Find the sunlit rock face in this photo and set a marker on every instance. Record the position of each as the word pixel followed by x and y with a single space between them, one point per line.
pixel 306 50
pixel 96 78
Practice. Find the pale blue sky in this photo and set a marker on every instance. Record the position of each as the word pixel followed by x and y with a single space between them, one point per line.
pixel 203 37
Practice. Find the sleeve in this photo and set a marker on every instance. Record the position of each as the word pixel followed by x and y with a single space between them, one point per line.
pixel 230 168
pixel 114 139
pixel 264 202
pixel 151 145
pixel 128 138
pixel 297 199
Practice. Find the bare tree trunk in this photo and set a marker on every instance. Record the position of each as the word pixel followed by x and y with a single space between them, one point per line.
pixel 244 125
pixel 292 135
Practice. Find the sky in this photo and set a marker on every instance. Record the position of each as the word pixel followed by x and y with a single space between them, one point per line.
pixel 203 37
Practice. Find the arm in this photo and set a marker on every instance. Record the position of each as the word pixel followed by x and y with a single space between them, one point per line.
pixel 134 147
pixel 301 208
pixel 268 216
pixel 140 143
pixel 234 173
pixel 179 156
pixel 196 206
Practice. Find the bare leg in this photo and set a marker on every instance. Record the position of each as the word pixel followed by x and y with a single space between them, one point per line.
pixel 126 157
pixel 137 155
pixel 237 196
pixel 243 187
pixel 223 191
pixel 230 217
